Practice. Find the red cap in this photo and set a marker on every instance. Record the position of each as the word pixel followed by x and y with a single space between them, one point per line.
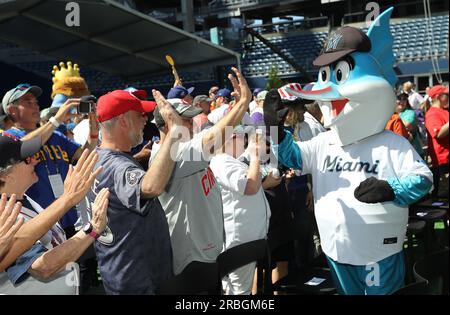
pixel 118 102
pixel 436 90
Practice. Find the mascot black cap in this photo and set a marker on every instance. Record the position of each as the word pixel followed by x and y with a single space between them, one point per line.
pixel 344 41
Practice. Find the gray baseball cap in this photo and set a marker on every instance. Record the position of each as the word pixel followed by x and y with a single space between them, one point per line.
pixel 201 98
pixel 261 96
pixel 19 91
pixel 183 109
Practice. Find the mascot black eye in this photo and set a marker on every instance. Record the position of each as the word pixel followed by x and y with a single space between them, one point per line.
pixel 342 71
pixel 324 74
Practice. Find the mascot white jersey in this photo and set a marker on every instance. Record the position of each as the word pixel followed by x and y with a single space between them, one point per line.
pixel 364 177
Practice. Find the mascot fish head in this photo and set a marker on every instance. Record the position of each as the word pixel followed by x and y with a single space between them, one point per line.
pixel 355 86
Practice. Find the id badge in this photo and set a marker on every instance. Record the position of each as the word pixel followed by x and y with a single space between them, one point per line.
pixel 57 185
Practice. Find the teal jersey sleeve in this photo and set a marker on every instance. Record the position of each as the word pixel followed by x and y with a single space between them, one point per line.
pixel 288 152
pixel 409 189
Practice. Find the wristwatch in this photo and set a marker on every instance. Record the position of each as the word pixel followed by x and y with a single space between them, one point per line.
pixel 88 228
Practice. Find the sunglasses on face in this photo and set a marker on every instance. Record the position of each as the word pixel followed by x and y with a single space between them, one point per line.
pixel 22 87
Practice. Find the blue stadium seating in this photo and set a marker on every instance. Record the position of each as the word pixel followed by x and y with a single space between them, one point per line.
pixel 410 44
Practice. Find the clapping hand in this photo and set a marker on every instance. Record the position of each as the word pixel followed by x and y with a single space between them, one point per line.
pixel 80 178
pixel 9 225
pixel 99 211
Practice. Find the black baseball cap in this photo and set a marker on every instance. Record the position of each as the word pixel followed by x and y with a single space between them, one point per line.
pixel 341 43
pixel 15 150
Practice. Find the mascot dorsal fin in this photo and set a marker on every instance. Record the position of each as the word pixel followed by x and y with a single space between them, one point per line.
pixel 382 40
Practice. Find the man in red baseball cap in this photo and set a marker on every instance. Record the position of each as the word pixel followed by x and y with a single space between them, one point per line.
pixel 436 123
pixel 119 102
pixel 134 253
pixel 437 91
pixel 129 104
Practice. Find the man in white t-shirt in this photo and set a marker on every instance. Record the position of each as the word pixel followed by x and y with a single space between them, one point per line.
pixel 224 106
pixel 246 210
pixel 223 98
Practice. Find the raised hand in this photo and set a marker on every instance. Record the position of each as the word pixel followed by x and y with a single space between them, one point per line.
pixel 99 211
pixel 9 225
pixel 144 153
pixel 80 178
pixel 63 114
pixel 272 181
pixel 178 81
pixel 241 91
pixel 168 113
pixel 256 145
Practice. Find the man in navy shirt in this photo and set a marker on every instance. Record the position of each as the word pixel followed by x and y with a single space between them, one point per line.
pixel 134 253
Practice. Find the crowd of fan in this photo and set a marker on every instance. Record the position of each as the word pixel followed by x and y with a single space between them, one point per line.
pixel 121 189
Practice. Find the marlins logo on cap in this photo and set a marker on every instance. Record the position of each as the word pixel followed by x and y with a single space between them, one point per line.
pixel 341 43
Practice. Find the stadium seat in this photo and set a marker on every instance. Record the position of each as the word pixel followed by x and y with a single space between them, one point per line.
pixel 433 269
pixel 429 212
pixel 241 255
pixel 414 230
pixel 299 282
pixel 416 288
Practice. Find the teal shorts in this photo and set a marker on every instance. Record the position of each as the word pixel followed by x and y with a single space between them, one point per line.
pixel 382 278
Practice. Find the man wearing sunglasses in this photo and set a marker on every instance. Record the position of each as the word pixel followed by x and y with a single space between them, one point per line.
pixel 57 151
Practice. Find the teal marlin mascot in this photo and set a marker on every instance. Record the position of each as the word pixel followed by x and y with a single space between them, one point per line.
pixel 364 177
